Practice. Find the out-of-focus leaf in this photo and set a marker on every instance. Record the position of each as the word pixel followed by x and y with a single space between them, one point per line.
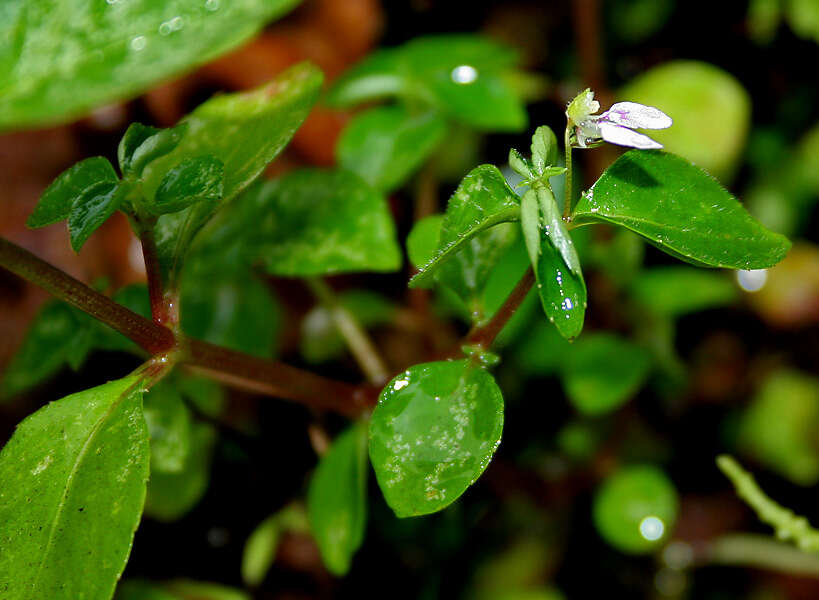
pixel 138 589
pixel 191 181
pixel 462 75
pixel 245 131
pixel 482 200
pixel 320 338
pixel 385 145
pixel 200 590
pixel 422 241
pixel 55 204
pixel 433 433
pixel 172 495
pixel 675 291
pixel 169 427
pixel 260 548
pixel 72 486
pixel 778 427
pixel 602 371
pixel 635 509
pixel 314 222
pixel 60 59
pixel 337 499
pixel 710 108
pixel 681 210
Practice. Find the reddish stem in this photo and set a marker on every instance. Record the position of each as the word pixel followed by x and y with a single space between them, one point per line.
pixel 164 307
pixel 484 336
pixel 150 336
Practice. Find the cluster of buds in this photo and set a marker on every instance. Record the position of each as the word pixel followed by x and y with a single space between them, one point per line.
pixel 616 125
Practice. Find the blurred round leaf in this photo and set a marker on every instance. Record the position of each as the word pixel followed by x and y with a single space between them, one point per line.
pixel 710 108
pixel 635 509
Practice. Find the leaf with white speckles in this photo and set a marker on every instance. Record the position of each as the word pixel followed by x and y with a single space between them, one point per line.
pixel 682 210
pixel 433 433
pixel 72 487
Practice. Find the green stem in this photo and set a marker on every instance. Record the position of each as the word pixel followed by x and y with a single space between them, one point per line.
pixel 358 341
pixel 567 143
pixel 762 552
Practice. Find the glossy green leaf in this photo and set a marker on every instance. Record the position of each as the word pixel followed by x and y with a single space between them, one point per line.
pixel 317 222
pixel 675 291
pixel 193 180
pixel 462 75
pixel 320 339
pixel 60 59
pixel 141 144
pixel 337 499
pixel 602 371
pixel 58 334
pixel 778 426
pixel 92 208
pixel 422 241
pixel 55 204
pixel 681 210
pixel 482 200
pixel 433 433
pixel 386 145
pixel 710 108
pixel 245 131
pixel 635 509
pixel 172 495
pixel 169 427
pixel 260 549
pixel 72 486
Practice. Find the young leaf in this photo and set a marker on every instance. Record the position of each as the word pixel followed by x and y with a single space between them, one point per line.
pixel 92 208
pixel 72 486
pixel 245 131
pixel 193 180
pixel 433 433
pixel 169 427
pixel 60 60
pixel 682 210
pixel 544 149
pixel 172 495
pixel 141 144
pixel 482 200
pixel 337 499
pixel 461 75
pixel 555 228
pixel 385 145
pixel 602 371
pixel 675 291
pixel 55 204
pixel 315 222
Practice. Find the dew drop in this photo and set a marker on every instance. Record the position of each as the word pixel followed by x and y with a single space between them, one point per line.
pixel 212 5
pixel 464 74
pixel 139 43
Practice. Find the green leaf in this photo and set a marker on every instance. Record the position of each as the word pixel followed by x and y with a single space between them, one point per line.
pixel 681 210
pixel 57 335
pixel 544 149
pixel 245 131
pixel 200 590
pixel 555 228
pixel 482 200
pixel 72 486
pixel 602 371
pixel 777 428
pixel 422 241
pixel 320 338
pixel 92 208
pixel 55 204
pixel 635 509
pixel 172 495
pixel 433 433
pixel 193 180
pixel 675 291
pixel 464 76
pixel 59 60
pixel 141 144
pixel 386 145
pixel 337 499
pixel 318 222
pixel 260 548
pixel 169 427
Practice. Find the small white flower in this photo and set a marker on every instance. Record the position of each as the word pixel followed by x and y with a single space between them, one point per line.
pixel 616 124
